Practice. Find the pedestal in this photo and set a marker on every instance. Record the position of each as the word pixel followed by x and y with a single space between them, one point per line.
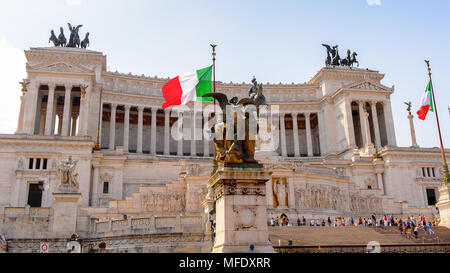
pixel 65 212
pixel 444 205
pixel 241 216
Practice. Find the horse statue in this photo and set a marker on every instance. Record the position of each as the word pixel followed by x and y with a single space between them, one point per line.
pixel 353 59
pixel 85 42
pixel 62 38
pixel 335 53
pixel 346 60
pixel 53 38
pixel 74 40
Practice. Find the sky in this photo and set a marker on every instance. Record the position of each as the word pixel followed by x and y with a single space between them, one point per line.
pixel 277 41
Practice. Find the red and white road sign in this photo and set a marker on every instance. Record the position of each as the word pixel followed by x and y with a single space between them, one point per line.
pixel 43 247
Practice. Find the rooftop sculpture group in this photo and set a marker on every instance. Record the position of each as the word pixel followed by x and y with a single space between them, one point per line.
pixel 333 57
pixel 74 38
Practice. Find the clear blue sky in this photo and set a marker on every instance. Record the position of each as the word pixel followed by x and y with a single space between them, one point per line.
pixel 278 41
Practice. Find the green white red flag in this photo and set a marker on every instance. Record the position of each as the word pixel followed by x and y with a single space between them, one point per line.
pixel 427 103
pixel 188 87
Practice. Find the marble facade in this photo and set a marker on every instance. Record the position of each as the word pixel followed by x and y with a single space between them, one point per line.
pixel 323 166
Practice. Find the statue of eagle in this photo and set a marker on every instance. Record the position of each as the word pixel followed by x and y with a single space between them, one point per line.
pixel 223 100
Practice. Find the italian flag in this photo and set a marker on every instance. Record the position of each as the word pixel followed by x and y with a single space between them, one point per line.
pixel 427 103
pixel 188 87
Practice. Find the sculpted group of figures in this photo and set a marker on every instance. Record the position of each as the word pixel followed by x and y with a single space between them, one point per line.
pixel 334 198
pixel 74 38
pixel 333 57
pixel 165 202
pixel 237 151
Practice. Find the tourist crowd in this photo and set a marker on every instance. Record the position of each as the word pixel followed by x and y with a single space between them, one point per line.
pixel 411 225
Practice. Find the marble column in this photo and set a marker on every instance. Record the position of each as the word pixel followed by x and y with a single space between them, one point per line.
pixel 20 121
pixel 368 140
pixel 413 131
pixel 362 123
pixel 31 99
pixel 126 128
pixel 205 141
pixel 100 122
pixel 283 135
pixel 74 124
pixel 82 117
pixel 37 121
pixel 50 109
pixel 112 127
pixel 66 114
pixel 60 124
pixel 389 121
pixel 376 126
pixel 140 128
pixel 295 131
pixel 308 134
pixel 153 132
pixel 166 132
pixel 350 129
pixel 73 127
pixel 55 106
pixel 193 143
pixel 180 134
pixel 95 187
pixel 42 123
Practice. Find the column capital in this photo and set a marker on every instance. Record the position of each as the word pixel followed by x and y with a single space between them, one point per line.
pixel 141 108
pixel 294 114
pixel 51 85
pixel 154 109
pixel 127 107
pixel 282 114
pixel 307 114
pixel 113 105
pixel 68 86
pixel 373 102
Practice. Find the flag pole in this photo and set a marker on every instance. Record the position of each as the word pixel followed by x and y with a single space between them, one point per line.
pixel 215 163
pixel 444 161
pixel 214 73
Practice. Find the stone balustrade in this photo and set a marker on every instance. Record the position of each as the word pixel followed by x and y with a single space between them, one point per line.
pixel 150 225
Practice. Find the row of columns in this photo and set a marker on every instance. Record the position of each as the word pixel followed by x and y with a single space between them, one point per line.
pixel 64 126
pixel 296 136
pixel 140 126
pixel 365 126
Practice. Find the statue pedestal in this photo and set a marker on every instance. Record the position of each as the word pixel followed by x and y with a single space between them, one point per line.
pixel 241 216
pixel 444 205
pixel 65 212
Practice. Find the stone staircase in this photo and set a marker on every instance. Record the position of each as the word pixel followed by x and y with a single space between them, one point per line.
pixel 441 234
pixel 314 236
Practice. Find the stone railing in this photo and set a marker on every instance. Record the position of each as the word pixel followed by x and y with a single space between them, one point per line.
pixel 153 224
pixel 25 222
pixel 24 211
